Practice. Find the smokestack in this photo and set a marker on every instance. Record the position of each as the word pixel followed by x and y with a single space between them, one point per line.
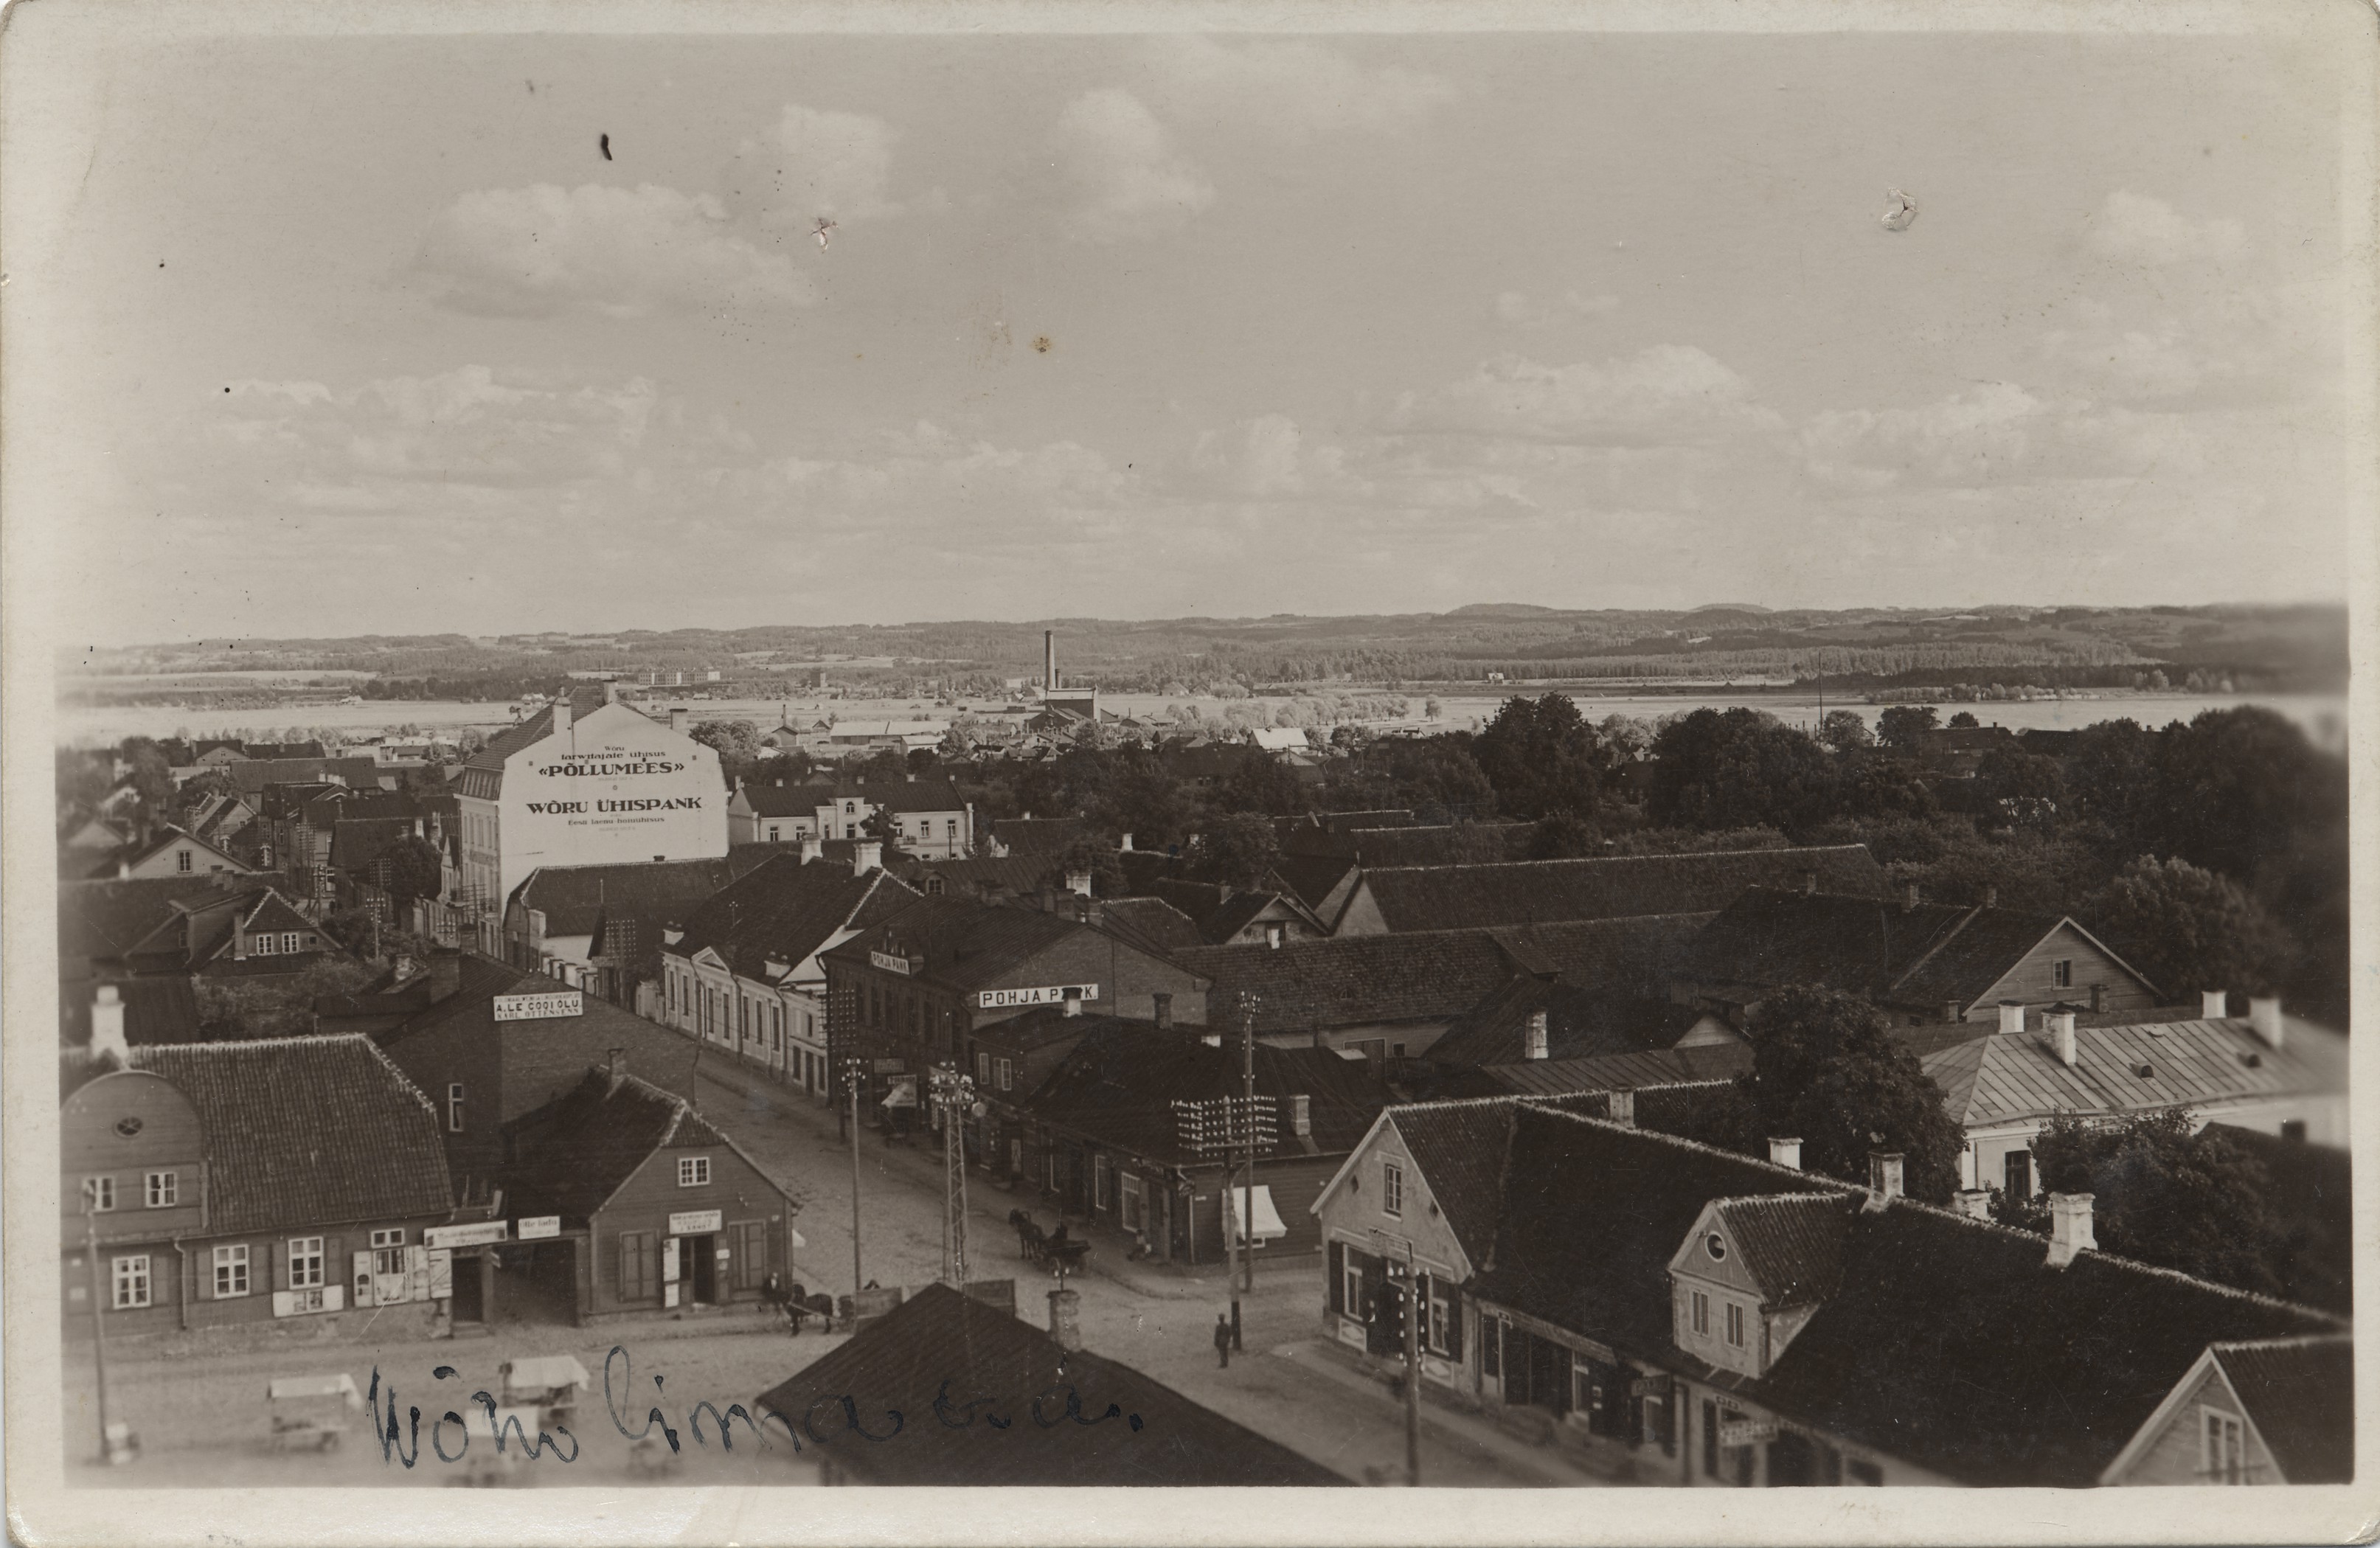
pixel 1066 1318
pixel 2214 1005
pixel 2069 1227
pixel 1050 660
pixel 1884 1174
pixel 616 1065
pixel 677 719
pixel 561 713
pixel 1534 1037
pixel 2265 1016
pixel 1164 1011
pixel 2062 1037
pixel 866 855
pixel 2011 1015
pixel 107 1026
pixel 1976 1203
pixel 1785 1153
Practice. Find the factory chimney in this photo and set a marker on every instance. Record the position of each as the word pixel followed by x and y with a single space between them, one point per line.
pixel 1049 661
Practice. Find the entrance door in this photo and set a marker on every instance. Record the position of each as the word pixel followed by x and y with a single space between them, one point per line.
pixel 1792 1461
pixel 702 1272
pixel 466 1304
pixel 1379 1324
pixel 1549 1375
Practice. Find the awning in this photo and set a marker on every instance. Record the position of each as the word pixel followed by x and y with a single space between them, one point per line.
pixel 902 1094
pixel 1268 1223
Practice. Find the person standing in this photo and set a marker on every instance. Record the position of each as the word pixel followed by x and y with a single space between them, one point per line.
pixel 1223 1340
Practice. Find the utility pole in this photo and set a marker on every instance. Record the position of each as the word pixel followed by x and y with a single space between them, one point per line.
pixel 98 1328
pixel 1242 1242
pixel 1412 1372
pixel 852 1074
pixel 954 1097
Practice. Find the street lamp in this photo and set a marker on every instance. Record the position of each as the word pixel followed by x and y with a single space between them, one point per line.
pixel 855 1075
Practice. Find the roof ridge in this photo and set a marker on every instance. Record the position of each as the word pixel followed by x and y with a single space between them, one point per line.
pixel 2292 1342
pixel 1973 912
pixel 1823 1197
pixel 1607 859
pixel 1539 1103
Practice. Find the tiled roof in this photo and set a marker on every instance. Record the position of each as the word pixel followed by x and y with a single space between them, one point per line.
pixel 976 875
pixel 1426 975
pixel 1118 1084
pixel 1312 878
pixel 1459 1149
pixel 573 898
pixel 1338 822
pixel 578 1149
pixel 1716 1062
pixel 2301 1393
pixel 2015 1075
pixel 965 943
pixel 939 1341
pixel 1792 1244
pixel 1581 1022
pixel 1164 928
pixel 785 909
pixel 908 795
pixel 307 1131
pixel 1520 892
pixel 1439 844
pixel 163 1009
pixel 251 777
pixel 104 920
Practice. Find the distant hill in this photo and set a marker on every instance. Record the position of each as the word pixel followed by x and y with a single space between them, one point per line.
pixel 1504 610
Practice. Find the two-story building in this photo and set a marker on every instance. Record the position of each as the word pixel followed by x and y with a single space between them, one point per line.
pixel 599 927
pixel 924 817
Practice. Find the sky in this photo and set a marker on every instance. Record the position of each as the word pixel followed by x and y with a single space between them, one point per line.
pixel 369 335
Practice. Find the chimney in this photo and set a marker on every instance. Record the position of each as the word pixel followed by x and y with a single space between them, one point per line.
pixel 1809 884
pixel 1785 1153
pixel 1991 894
pixel 2011 1015
pixel 1301 1114
pixel 812 848
pixel 1884 1175
pixel 1623 1108
pixel 561 713
pixel 1212 1039
pixel 1124 844
pixel 1079 883
pixel 2061 1036
pixel 1533 1038
pixel 1066 1317
pixel 107 1026
pixel 1908 897
pixel 2069 1227
pixel 611 692
pixel 616 1065
pixel 2264 1015
pixel 2214 1005
pixel 445 972
pixel 866 855
pixel 1074 1003
pixel 1163 1013
pixel 677 719
pixel 1050 660
pixel 1976 1203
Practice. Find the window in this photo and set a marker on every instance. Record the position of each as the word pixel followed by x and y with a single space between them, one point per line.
pixel 455 1108
pixel 1007 1072
pixel 231 1270
pixel 1352 1288
pixel 1702 1313
pixel 1710 1439
pixel 693 1171
pixel 164 1189
pixel 289 943
pixel 1442 1316
pixel 2294 1129
pixel 982 1069
pixel 132 1281
pixel 1100 1175
pixel 1735 1324
pixel 98 1194
pixel 748 1263
pixel 1131 1203
pixel 2062 973
pixel 305 1262
pixel 263 945
pixel 2016 1173
pixel 772 832
pixel 2222 1447
pixel 388 1251
pixel 1392 1188
pixel 182 860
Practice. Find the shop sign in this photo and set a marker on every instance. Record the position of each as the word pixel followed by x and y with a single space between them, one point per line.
pixel 538 1008
pixel 1047 994
pixel 694 1222
pixel 889 964
pixel 1748 1431
pixel 891 1066
pixel 536 1227
pixel 473 1235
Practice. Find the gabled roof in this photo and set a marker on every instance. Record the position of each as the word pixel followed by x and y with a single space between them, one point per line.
pixel 782 800
pixel 1427 975
pixel 574 898
pixel 1792 1243
pixel 1021 834
pixel 1459 1148
pixel 1549 1077
pixel 911 794
pixel 161 1009
pixel 307 1131
pixel 1119 1084
pixel 785 909
pixel 1312 878
pixel 2004 1076
pixel 1581 1022
pixel 1529 891
pixel 579 1148
pixel 1153 922
pixel 941 1341
pixel 166 838
pixel 1339 822
pixel 2299 1393
pixel 1223 912
pixel 973 874
pixel 966 944
pixel 1438 844
pixel 104 919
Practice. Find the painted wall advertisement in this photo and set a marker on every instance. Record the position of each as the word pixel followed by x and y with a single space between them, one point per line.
pixel 614 788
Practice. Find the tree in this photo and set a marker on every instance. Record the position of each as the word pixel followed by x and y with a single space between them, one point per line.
pixel 1826 1071
pixel 2190 930
pixel 1565 836
pixel 2165 1192
pixel 273 1005
pixel 413 868
pixel 735 742
pixel 1237 849
pixel 1261 783
pixel 1902 727
pixel 1085 856
pixel 1845 731
pixel 1541 757
pixel 1738 768
pixel 1964 721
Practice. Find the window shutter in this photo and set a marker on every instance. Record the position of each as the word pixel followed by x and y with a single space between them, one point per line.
pixel 1454 1323
pixel 1338 1277
pixel 362 1276
pixel 278 1251
pixel 627 1248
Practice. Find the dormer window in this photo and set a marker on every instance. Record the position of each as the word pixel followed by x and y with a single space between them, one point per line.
pixel 1716 1245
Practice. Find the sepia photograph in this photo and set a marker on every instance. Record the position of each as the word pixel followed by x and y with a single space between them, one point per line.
pixel 1063 749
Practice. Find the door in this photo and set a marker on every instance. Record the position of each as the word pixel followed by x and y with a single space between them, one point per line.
pixel 1383 1328
pixel 1549 1375
pixel 703 1271
pixel 466 1294
pixel 1792 1461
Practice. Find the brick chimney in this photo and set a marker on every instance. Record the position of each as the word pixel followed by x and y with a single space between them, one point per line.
pixel 1785 1153
pixel 1883 1173
pixel 1074 1003
pixel 866 855
pixel 1623 1108
pixel 1534 1036
pixel 2069 1227
pixel 2011 1015
pixel 2214 1005
pixel 107 1026
pixel 2061 1036
pixel 1124 844
pixel 1079 882
pixel 1991 894
pixel 615 1066
pixel 1976 1203
pixel 1163 1012
pixel 2265 1016
pixel 1066 1318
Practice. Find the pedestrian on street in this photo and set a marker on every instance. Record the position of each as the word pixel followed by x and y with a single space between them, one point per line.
pixel 1223 1340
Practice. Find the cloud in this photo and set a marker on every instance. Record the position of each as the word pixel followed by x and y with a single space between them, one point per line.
pixel 543 250
pixel 1130 182
pixel 2134 228
pixel 1669 394
pixel 1996 434
pixel 817 162
pixel 1269 459
pixel 1522 311
pixel 923 479
pixel 1291 91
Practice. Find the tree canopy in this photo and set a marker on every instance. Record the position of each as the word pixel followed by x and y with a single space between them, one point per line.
pixel 1826 1071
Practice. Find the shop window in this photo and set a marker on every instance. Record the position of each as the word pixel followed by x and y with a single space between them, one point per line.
pixel 749 1260
pixel 305 1262
pixel 131 1279
pixel 982 1069
pixel 693 1171
pixel 98 1194
pixel 1443 1312
pixel 164 1189
pixel 1392 1188
pixel 1352 1286
pixel 231 1270
pixel 388 1251
pixel 1710 1439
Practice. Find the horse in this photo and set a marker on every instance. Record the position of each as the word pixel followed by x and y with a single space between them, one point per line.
pixel 1028 1235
